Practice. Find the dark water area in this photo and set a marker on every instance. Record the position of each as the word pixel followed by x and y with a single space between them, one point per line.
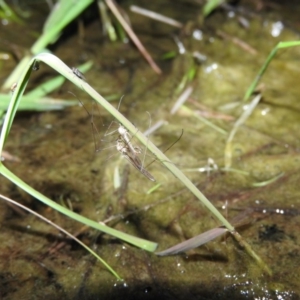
pixel 56 155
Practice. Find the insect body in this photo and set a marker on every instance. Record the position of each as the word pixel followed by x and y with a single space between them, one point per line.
pixel 36 66
pixel 13 87
pixel 126 148
pixel 125 135
pixel 78 73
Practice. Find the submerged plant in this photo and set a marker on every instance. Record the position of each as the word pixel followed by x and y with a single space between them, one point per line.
pixel 63 231
pixel 64 70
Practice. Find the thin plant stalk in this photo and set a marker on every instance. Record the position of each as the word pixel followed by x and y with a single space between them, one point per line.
pixel 264 67
pixel 155 16
pixel 241 120
pixel 63 12
pixel 65 232
pixel 108 28
pixel 138 242
pixel 133 36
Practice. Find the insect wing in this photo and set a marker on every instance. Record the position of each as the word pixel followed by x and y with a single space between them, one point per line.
pixel 136 162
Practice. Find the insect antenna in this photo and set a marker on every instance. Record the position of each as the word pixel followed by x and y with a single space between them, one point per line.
pixel 93 126
pixel 169 147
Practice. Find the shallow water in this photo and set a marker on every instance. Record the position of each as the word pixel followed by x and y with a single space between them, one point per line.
pixel 56 152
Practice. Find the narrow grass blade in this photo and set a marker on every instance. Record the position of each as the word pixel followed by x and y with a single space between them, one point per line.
pixel 280 45
pixel 46 88
pixel 62 14
pixel 210 6
pixel 138 242
pixel 155 16
pixel 205 121
pixel 194 242
pixel 34 104
pixel 65 232
pixel 7 13
pixel 108 28
pixel 242 119
pixel 267 182
pixel 14 76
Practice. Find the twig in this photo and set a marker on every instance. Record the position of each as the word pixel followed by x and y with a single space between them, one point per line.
pixel 181 99
pixel 133 36
pixel 155 16
pixel 237 42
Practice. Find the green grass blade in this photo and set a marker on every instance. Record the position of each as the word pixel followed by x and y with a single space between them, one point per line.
pixel 14 76
pixel 141 243
pixel 240 121
pixel 65 232
pixel 210 6
pixel 46 88
pixel 13 105
pixel 262 70
pixel 106 21
pixel 7 13
pixel 34 104
pixel 62 14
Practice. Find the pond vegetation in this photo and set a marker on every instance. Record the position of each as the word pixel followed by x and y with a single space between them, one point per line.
pixel 200 99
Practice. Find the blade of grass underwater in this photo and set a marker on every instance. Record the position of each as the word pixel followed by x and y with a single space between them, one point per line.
pixel 8 13
pixel 271 180
pixel 138 242
pixel 63 13
pixel 210 6
pixel 13 105
pixel 41 104
pixel 242 119
pixel 280 45
pixel 45 88
pixel 107 26
pixel 155 16
pixel 14 75
pixel 65 232
pixel 58 12
pixel 194 242
pixel 205 121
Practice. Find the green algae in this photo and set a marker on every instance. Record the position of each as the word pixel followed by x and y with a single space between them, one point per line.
pixel 57 155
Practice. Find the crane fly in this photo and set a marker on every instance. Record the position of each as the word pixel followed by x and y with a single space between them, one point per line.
pixel 123 144
pixel 128 151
